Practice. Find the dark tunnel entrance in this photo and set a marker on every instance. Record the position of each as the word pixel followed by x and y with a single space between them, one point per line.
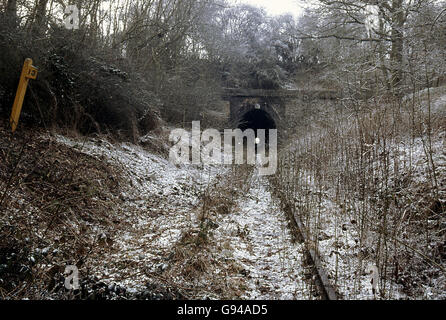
pixel 257 119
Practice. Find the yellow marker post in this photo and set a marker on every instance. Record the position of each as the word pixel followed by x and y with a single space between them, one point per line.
pixel 28 72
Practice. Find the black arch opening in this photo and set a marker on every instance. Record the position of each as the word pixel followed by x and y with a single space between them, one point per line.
pixel 257 119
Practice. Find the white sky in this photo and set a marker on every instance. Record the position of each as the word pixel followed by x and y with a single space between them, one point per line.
pixel 278 7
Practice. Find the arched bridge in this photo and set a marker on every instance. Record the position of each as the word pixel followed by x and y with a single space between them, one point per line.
pixel 269 109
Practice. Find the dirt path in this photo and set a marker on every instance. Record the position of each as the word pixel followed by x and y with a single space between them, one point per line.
pixel 262 243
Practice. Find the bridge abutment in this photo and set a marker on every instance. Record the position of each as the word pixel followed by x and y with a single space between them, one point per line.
pixel 278 109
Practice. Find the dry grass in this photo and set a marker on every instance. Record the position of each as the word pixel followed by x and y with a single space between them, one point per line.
pixel 197 262
pixel 374 170
pixel 58 207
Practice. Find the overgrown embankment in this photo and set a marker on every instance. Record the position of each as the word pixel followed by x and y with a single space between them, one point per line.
pixel 113 210
pixel 368 183
pixel 55 203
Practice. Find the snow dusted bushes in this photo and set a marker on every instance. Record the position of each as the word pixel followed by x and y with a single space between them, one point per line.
pixel 55 205
pixel 368 182
pixel 78 86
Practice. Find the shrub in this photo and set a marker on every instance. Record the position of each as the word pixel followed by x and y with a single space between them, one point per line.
pixel 78 87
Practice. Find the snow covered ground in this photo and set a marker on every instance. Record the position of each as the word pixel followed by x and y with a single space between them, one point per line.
pixel 437 96
pixel 160 204
pixel 251 245
pixel 262 244
pixel 335 228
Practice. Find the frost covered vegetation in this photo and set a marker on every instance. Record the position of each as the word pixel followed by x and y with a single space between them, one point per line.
pixel 370 190
pixel 85 180
pixel 139 227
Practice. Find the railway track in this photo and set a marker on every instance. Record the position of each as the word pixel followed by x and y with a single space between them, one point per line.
pixel 326 289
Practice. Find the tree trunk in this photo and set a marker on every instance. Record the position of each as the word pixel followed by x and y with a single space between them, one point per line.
pixel 382 53
pixel 11 11
pixel 40 20
pixel 41 11
pixel 396 53
pixel 11 7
